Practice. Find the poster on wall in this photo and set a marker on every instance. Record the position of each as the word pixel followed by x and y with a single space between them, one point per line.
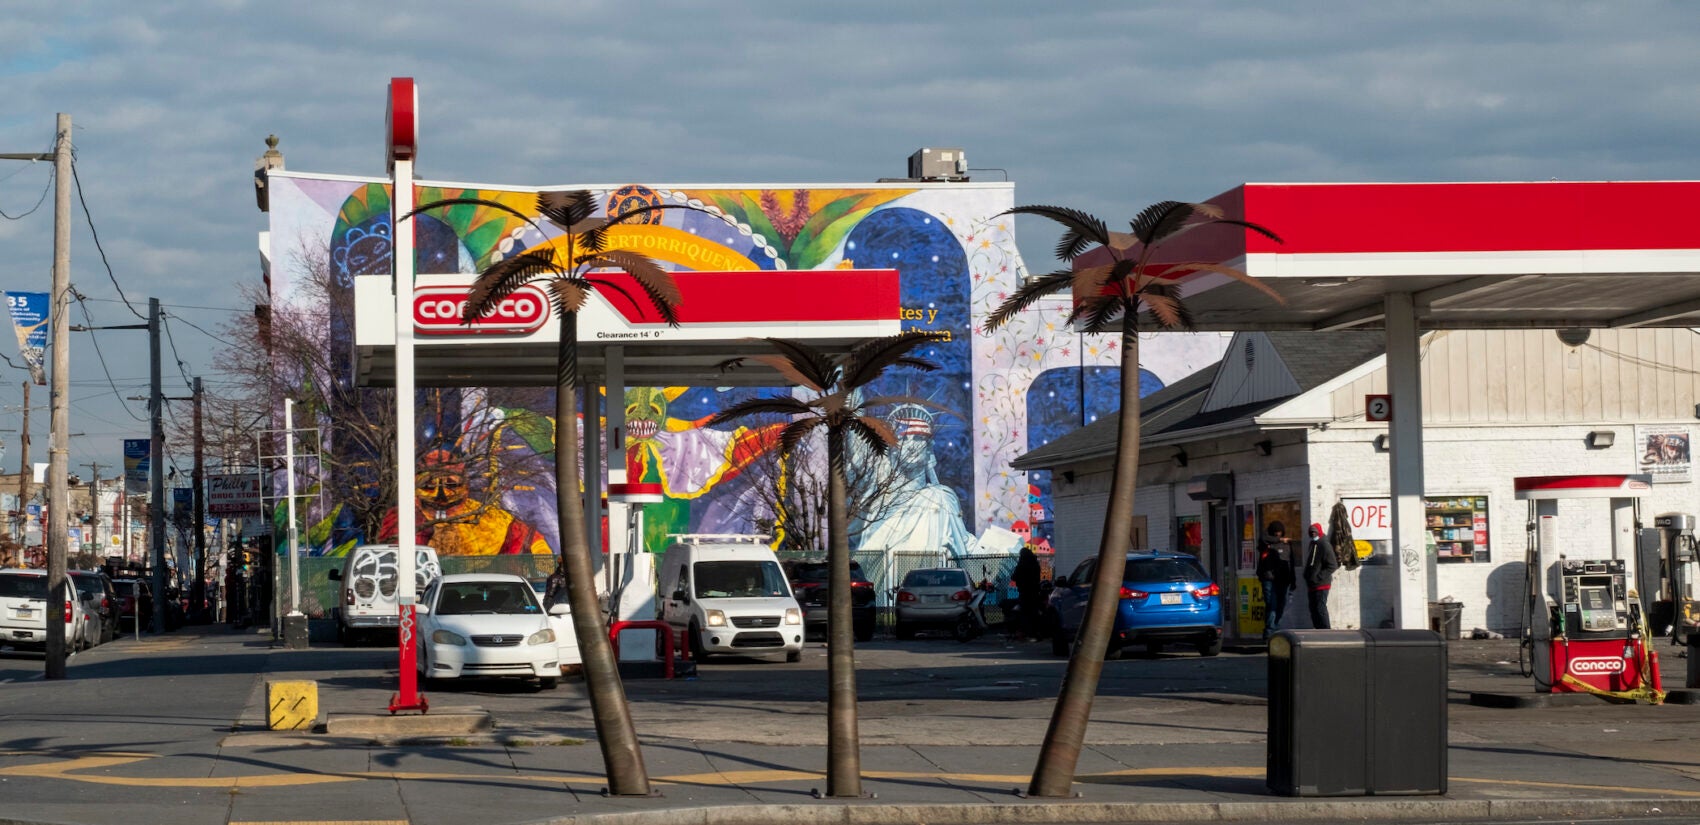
pixel 1372 524
pixel 1663 452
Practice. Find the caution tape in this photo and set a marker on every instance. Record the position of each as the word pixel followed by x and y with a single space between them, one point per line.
pixel 1639 694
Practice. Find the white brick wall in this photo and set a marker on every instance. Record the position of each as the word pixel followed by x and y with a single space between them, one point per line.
pixel 1482 461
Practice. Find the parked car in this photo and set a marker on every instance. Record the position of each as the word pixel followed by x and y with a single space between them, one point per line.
pixel 369 603
pixel 1166 598
pixel 23 611
pixel 487 624
pixel 809 585
pixel 135 598
pixel 100 604
pixel 931 597
pixel 566 638
pixel 729 595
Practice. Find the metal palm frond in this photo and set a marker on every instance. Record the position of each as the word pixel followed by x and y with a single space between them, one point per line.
pixel 658 282
pixel 761 406
pixel 566 209
pixel 796 431
pixel 813 367
pixel 504 276
pixel 1160 220
pixel 867 360
pixel 1026 295
pixel 874 433
pixel 1087 225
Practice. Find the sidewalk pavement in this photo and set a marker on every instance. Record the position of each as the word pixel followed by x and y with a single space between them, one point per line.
pixel 171 730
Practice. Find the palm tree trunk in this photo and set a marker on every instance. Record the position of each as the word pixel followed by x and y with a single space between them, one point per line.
pixel 621 755
pixel 1053 776
pixel 843 745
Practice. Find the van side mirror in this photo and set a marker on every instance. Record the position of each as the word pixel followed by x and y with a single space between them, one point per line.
pixel 1062 581
pixel 421 610
pixel 679 596
pixel 335 575
pixel 560 609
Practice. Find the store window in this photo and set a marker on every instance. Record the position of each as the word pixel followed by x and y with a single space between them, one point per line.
pixel 1189 535
pixel 1458 528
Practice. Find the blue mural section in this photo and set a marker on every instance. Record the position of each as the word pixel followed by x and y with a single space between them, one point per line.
pixel 1061 401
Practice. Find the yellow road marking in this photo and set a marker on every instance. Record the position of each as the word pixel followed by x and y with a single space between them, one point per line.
pixel 319 822
pixel 68 769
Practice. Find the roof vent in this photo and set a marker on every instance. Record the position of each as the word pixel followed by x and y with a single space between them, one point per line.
pixel 938 164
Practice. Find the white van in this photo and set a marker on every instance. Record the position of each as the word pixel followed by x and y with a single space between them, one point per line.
pixel 368 578
pixel 729 594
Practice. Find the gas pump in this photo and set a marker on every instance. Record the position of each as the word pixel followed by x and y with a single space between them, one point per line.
pixel 629 584
pixel 1582 633
pixel 1669 569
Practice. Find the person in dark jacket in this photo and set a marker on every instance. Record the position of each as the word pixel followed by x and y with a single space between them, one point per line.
pixel 1275 573
pixel 1029 601
pixel 1320 564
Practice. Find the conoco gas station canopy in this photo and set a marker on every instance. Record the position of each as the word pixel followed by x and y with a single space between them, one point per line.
pixel 1470 255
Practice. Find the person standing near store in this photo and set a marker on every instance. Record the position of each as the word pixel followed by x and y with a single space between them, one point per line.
pixel 1275 573
pixel 1320 564
pixel 1026 577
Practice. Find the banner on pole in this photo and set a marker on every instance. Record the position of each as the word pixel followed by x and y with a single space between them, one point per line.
pixel 183 507
pixel 29 319
pixel 136 464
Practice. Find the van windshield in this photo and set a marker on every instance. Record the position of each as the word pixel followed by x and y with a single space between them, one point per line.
pixel 739 579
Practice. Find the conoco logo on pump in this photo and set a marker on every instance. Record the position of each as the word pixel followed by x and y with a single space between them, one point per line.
pixel 1595 665
pixel 437 311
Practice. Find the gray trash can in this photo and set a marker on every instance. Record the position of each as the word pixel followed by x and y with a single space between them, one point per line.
pixel 1357 713
pixel 1447 619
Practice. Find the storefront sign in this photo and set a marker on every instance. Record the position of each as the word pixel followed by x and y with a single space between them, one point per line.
pixel 233 495
pixel 437 310
pixel 1372 518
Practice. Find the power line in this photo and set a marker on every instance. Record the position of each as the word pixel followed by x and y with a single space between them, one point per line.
pixel 96 235
pixel 95 339
pixel 174 356
pixel 196 327
pixel 38 201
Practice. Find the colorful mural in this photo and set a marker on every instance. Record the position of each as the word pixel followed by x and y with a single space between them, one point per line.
pixel 996 396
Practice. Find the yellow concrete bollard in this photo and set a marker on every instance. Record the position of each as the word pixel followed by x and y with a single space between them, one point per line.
pixel 292 705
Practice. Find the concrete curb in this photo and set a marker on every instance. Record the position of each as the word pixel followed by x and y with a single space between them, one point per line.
pixel 1033 813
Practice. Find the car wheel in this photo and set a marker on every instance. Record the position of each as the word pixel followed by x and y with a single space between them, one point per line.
pixel 1153 648
pixel 904 631
pixel 1059 639
pixel 548 682
pixel 1210 648
pixel 865 631
pixel 697 652
pixel 793 655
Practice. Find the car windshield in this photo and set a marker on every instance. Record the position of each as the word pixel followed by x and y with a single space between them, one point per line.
pixel 936 578
pixel 23 587
pixel 88 587
pixel 1164 570
pixel 499 597
pixel 739 579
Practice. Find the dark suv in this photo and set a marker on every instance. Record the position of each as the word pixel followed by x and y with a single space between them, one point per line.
pixel 130 591
pixel 809 585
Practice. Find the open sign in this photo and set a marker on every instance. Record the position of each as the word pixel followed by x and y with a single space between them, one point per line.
pixel 1372 518
pixel 439 310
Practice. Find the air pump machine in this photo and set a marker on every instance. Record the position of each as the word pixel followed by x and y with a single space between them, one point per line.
pixel 1583 633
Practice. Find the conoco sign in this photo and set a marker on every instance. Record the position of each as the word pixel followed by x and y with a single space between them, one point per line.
pixel 438 310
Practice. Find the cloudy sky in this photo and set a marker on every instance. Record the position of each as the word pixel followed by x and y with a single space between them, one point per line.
pixel 1101 106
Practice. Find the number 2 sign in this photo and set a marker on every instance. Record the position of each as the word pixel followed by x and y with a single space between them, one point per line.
pixel 1378 407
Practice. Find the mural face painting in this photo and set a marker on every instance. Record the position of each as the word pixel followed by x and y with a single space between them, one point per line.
pixel 485 477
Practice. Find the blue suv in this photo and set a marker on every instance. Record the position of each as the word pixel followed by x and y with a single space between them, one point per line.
pixel 1166 598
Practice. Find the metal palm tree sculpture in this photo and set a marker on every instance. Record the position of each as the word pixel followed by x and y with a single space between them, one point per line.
pixel 1109 297
pixel 837 407
pixel 572 266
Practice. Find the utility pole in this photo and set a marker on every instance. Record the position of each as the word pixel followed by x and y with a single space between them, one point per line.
pixel 198 592
pixel 58 453
pixel 156 468
pixel 26 473
pixel 94 504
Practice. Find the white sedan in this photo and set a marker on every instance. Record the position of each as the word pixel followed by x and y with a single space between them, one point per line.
pixel 486 624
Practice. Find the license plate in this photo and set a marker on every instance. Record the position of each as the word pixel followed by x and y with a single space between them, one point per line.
pixel 932 599
pixel 24 612
pixel 1171 598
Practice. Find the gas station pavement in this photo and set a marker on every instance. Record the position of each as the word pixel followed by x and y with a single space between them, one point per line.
pixel 171 729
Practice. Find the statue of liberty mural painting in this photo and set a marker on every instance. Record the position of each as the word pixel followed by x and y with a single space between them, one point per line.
pixel 918 513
